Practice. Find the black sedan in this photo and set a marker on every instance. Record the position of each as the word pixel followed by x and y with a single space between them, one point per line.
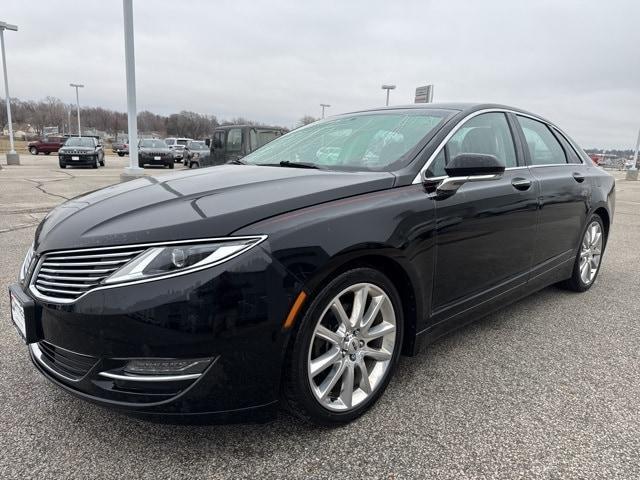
pixel 153 151
pixel 299 274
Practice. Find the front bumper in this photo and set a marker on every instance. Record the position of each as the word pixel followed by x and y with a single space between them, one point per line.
pixel 82 159
pixel 231 314
pixel 151 160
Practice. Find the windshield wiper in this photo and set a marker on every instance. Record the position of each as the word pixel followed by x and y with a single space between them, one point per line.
pixel 237 161
pixel 287 163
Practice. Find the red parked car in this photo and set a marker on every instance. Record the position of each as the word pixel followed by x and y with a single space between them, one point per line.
pixel 46 145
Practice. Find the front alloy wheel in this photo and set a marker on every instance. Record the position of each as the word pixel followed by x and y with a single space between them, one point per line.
pixel 345 349
pixel 350 353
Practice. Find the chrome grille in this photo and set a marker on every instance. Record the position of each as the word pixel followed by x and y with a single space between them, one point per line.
pixel 64 276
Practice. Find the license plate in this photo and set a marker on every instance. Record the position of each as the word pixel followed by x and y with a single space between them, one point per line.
pixel 17 315
pixel 156 158
pixel 75 158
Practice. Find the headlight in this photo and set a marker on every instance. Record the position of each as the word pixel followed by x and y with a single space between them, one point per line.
pixel 24 269
pixel 169 260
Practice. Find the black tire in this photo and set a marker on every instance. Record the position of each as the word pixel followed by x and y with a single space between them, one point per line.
pixel 171 165
pixel 141 164
pixel 194 165
pixel 95 162
pixel 47 153
pixel 297 393
pixel 575 283
pixel 33 151
pixel 62 164
pixel 120 154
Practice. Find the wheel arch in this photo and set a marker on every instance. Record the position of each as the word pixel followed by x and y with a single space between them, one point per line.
pixel 399 275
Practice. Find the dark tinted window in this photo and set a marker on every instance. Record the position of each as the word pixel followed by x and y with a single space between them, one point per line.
pixel 572 156
pixel 544 148
pixel 487 134
pixel 218 140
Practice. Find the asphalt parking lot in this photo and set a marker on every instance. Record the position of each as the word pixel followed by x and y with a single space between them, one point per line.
pixel 548 387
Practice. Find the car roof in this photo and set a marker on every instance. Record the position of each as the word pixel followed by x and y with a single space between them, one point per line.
pixel 260 127
pixel 462 107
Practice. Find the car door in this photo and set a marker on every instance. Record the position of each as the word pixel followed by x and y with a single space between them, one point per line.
pixel 485 230
pixel 564 193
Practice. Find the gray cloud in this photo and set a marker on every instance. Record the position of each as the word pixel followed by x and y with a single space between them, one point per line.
pixel 575 62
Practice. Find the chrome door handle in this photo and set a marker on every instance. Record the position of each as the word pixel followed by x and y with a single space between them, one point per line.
pixel 520 183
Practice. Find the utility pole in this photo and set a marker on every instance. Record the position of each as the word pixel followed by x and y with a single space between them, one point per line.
pixel 387 88
pixel 12 157
pixel 77 86
pixel 133 170
pixel 324 105
pixel 632 173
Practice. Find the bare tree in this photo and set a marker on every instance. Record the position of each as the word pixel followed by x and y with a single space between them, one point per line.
pixel 306 120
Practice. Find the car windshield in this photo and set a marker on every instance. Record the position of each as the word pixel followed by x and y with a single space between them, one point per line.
pixel 152 143
pixel 197 146
pixel 79 142
pixel 182 142
pixel 170 141
pixel 373 141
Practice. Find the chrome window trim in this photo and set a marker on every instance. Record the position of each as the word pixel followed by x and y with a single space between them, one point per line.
pixel 418 177
pixel 150 378
pixel 61 301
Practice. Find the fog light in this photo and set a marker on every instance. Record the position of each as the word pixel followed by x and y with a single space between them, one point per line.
pixel 149 366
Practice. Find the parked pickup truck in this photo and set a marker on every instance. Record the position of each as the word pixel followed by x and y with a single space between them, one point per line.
pixel 232 142
pixel 46 145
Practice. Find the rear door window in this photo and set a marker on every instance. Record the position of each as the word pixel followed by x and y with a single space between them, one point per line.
pixel 544 148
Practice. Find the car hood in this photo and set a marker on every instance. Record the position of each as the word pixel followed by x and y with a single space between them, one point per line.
pixel 210 202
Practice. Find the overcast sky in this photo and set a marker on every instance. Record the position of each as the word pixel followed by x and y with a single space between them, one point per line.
pixel 575 62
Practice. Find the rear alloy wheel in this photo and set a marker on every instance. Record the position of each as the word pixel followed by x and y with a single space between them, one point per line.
pixel 33 150
pixel 346 348
pixel 587 263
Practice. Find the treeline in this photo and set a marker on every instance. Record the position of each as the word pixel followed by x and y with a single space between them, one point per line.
pixel 52 112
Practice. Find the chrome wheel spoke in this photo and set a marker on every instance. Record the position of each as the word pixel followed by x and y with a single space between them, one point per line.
pixel 328 383
pixel 325 334
pixel 359 303
pixel 338 311
pixel 380 330
pixel 381 355
pixel 347 386
pixel 324 361
pixel 372 312
pixel 365 385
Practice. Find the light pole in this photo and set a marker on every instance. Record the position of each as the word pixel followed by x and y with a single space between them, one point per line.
pixel 133 170
pixel 387 88
pixel 632 173
pixel 77 86
pixel 12 157
pixel 324 105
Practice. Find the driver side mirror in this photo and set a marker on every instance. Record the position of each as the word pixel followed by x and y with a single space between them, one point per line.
pixel 466 167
